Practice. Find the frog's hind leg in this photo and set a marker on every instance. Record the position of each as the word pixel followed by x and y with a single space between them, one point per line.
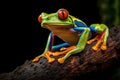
pixel 100 38
pixel 79 47
pixel 103 46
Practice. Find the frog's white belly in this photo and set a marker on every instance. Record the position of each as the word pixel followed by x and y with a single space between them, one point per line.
pixel 66 34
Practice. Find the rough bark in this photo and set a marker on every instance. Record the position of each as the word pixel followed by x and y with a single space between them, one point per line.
pixel 78 65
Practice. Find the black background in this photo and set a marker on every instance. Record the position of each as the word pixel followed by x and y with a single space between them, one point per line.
pixel 22 37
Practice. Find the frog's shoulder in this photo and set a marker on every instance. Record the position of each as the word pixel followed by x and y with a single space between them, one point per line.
pixel 78 22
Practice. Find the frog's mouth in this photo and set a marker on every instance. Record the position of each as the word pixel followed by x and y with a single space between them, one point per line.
pixel 56 26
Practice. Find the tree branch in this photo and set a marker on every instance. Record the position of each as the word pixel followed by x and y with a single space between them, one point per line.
pixel 79 64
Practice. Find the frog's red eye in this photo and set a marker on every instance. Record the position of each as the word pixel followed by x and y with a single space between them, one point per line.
pixel 40 18
pixel 63 14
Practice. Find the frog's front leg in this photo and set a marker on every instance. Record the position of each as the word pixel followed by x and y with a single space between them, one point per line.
pixel 80 46
pixel 47 51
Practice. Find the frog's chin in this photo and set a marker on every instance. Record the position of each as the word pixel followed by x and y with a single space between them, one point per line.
pixel 46 25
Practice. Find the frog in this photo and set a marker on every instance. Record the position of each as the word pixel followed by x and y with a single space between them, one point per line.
pixel 74 33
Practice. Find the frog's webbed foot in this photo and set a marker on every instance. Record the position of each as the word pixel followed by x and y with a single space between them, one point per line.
pixel 103 46
pixel 61 60
pixel 100 39
pixel 46 55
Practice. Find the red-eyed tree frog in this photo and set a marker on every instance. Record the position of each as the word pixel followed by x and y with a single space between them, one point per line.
pixel 73 31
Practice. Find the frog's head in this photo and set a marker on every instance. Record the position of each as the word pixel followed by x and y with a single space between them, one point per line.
pixel 56 20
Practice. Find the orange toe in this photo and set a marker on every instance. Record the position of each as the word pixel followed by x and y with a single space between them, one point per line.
pixel 88 42
pixel 61 60
pixel 51 60
pixel 56 53
pixel 36 59
pixel 103 47
pixel 95 48
pixel 63 48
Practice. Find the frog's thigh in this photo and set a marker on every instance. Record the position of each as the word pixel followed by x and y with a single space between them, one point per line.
pixel 80 46
pixel 81 43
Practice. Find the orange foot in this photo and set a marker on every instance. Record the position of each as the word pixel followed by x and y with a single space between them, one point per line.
pixel 100 39
pixel 47 55
pixel 103 46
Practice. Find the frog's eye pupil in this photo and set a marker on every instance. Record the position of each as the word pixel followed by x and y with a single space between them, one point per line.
pixel 63 14
pixel 40 18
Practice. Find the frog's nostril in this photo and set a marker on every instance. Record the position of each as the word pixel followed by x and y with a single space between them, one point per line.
pixel 40 18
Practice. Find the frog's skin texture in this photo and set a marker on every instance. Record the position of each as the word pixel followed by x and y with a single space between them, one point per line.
pixel 73 32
